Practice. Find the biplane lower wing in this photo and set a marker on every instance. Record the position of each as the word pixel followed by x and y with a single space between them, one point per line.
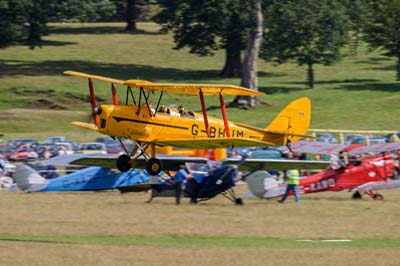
pixel 170 163
pixel 213 143
pixel 87 179
pixel 85 125
pixel 275 164
pixel 381 185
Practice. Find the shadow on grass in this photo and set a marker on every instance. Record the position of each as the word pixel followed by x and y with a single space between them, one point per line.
pixel 387 87
pixel 373 60
pixel 348 84
pixel 386 63
pixel 118 71
pixel 99 30
pixel 280 89
pixel 55 43
pixel 334 81
pixel 383 68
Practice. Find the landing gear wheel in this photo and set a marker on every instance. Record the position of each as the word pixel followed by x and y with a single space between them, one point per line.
pixel 153 166
pixel 239 201
pixel 123 163
pixel 357 195
pixel 377 196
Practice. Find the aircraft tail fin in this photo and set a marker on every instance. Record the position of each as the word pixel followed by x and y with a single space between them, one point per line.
pixel 291 124
pixel 263 185
pixel 28 179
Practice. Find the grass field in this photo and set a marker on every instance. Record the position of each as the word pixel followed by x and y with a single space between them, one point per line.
pixel 107 228
pixel 357 93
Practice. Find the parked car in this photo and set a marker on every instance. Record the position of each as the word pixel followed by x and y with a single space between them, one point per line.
pixel 92 147
pixel 393 137
pixel 55 139
pixel 354 139
pixel 66 146
pixel 113 147
pixel 16 143
pixel 6 151
pixel 325 137
pixel 265 154
pixel 24 152
pixel 377 140
pixel 51 148
pixel 104 139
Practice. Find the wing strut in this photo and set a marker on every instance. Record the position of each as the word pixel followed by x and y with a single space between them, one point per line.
pixel 203 108
pixel 93 102
pixel 223 111
pixel 114 94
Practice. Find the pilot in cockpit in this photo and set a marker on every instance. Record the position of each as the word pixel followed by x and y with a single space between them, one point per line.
pixel 163 109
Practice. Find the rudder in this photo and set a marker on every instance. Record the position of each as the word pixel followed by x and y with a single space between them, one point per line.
pixel 291 123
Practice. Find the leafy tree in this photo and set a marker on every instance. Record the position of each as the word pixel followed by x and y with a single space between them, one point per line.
pixel 11 24
pixel 209 25
pixel 310 32
pixel 384 29
pixel 25 21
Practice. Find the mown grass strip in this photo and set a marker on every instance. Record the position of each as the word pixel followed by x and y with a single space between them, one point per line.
pixel 201 241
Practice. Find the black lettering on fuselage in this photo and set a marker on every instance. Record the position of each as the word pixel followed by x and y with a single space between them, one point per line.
pixel 212 132
pixel 221 133
pixel 195 130
pixel 216 132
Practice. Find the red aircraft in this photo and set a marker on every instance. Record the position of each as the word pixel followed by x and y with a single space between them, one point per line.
pixel 363 176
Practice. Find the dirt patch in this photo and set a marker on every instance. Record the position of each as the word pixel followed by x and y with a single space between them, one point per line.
pixel 45 104
pixel 36 93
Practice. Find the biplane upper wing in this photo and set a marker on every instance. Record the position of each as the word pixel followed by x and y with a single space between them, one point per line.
pixel 89 76
pixel 317 147
pixel 251 164
pixel 194 89
pixel 213 143
pixel 170 163
pixel 376 148
pixel 191 89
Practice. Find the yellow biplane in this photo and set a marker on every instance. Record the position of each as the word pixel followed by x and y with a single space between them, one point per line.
pixel 150 126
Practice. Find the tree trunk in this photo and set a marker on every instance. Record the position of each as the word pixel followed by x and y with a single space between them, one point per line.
pixel 310 76
pixel 131 15
pixel 233 62
pixel 398 68
pixel 249 70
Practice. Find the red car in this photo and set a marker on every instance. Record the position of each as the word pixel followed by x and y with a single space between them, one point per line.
pixel 6 152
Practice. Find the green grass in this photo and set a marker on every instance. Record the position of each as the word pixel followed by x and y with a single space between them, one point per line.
pixel 107 228
pixel 202 241
pixel 357 93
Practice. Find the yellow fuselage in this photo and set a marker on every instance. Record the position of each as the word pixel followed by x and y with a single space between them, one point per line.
pixel 126 122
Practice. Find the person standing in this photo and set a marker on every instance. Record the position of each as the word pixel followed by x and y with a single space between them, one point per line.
pixel 180 177
pixel 292 178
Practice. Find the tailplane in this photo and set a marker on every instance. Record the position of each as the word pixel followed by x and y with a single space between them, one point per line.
pixel 28 179
pixel 291 124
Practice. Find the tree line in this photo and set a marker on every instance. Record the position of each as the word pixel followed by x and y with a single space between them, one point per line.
pixel 308 32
